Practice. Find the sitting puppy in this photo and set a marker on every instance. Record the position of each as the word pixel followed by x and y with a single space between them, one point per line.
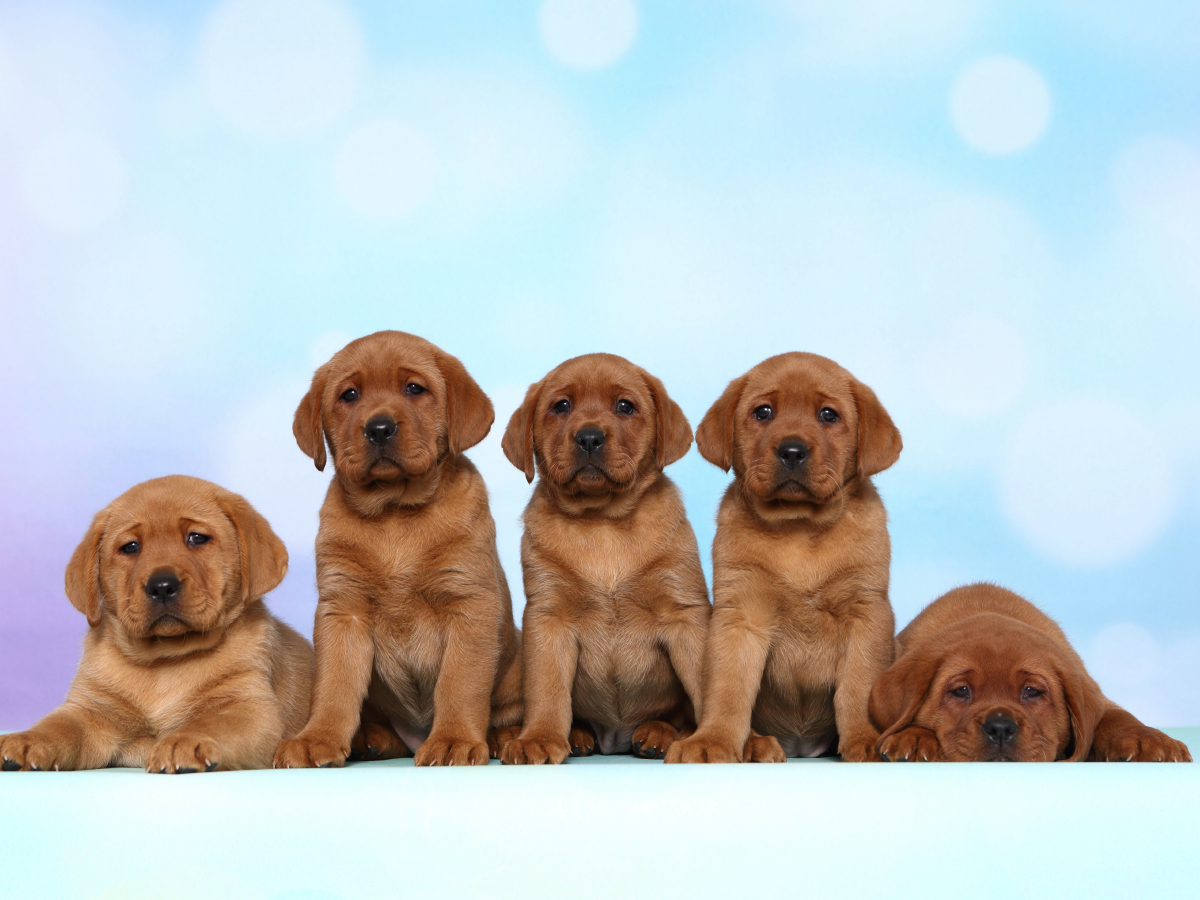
pixel 983 674
pixel 801 622
pixel 414 612
pixel 617 607
pixel 183 670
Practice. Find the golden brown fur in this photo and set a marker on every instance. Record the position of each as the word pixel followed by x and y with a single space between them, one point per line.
pixel 201 680
pixel 801 622
pixel 983 674
pixel 616 608
pixel 414 611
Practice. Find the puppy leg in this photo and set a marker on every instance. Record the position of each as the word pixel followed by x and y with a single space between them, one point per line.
pixel 241 735
pixel 763 748
pixel 582 739
pixel 652 740
pixel 1121 737
pixel 734 658
pixel 344 656
pixel 551 656
pixel 867 652
pixel 71 737
pixel 684 642
pixel 462 697
pixel 911 744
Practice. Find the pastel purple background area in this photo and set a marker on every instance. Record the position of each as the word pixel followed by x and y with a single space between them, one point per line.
pixel 989 212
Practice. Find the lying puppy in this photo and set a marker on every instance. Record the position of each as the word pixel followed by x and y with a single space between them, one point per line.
pixel 414 611
pixel 183 670
pixel 801 622
pixel 983 674
pixel 617 607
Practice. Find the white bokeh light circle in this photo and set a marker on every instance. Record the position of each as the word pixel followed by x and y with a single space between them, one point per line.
pixel 976 368
pixel 73 181
pixel 281 68
pixel 385 169
pixel 1087 483
pixel 1000 105
pixel 587 34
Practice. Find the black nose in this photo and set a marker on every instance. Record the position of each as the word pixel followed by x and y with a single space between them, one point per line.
pixel 380 430
pixel 792 453
pixel 162 587
pixel 1000 730
pixel 589 439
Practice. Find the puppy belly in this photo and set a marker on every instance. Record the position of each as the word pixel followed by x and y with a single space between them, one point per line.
pixel 412 735
pixel 806 747
pixel 612 740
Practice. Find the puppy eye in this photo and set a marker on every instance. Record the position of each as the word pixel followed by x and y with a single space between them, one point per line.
pixel 626 408
pixel 562 407
pixel 349 395
pixel 130 549
pixel 1031 693
pixel 962 693
pixel 196 539
pixel 413 389
pixel 764 413
pixel 828 415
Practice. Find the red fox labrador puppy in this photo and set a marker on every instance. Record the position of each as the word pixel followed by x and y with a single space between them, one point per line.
pixel 617 608
pixel 983 674
pixel 183 668
pixel 414 612
pixel 801 622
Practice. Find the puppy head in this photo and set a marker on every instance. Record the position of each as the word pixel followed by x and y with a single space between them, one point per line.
pixel 391 407
pixel 796 429
pixel 992 689
pixel 598 428
pixel 171 563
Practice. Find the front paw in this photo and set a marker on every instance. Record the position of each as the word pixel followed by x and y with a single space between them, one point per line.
pixel 653 739
pixel 697 749
pixel 439 751
pixel 182 754
pixel 535 751
pixel 858 747
pixel 582 740
pixel 1139 744
pixel 912 744
pixel 375 741
pixel 315 751
pixel 31 752
pixel 498 737
pixel 763 748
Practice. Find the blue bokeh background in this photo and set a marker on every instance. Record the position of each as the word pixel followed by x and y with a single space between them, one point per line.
pixel 990 212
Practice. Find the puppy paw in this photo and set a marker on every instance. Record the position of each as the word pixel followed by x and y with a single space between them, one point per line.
pixel 652 740
pixel 376 741
pixel 858 747
pixel 582 741
pixel 912 744
pixel 498 737
pixel 311 752
pixel 698 749
pixel 181 754
pixel 29 751
pixel 763 748
pixel 438 751
pixel 535 751
pixel 1139 744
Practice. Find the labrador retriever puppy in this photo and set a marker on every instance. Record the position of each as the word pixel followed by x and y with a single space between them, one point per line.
pixel 617 608
pixel 183 668
pixel 414 613
pixel 801 622
pixel 983 674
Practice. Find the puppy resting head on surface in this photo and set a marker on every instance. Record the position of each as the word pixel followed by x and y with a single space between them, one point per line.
pixel 171 564
pixel 796 430
pixel 392 407
pixel 599 430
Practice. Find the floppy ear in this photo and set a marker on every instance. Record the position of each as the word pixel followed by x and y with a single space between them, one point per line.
pixel 517 443
pixel 308 425
pixel 262 555
pixel 469 413
pixel 879 441
pixel 673 434
pixel 899 692
pixel 1086 705
pixel 83 571
pixel 714 435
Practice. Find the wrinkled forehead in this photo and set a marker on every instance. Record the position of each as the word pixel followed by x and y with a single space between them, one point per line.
pixel 387 360
pixel 801 378
pixel 598 375
pixel 159 509
pixel 1003 652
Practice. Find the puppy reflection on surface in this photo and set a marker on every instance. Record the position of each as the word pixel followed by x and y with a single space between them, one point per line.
pixel 183 669
pixel 983 675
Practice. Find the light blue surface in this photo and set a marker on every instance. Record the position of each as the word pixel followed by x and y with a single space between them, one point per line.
pixel 595 828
